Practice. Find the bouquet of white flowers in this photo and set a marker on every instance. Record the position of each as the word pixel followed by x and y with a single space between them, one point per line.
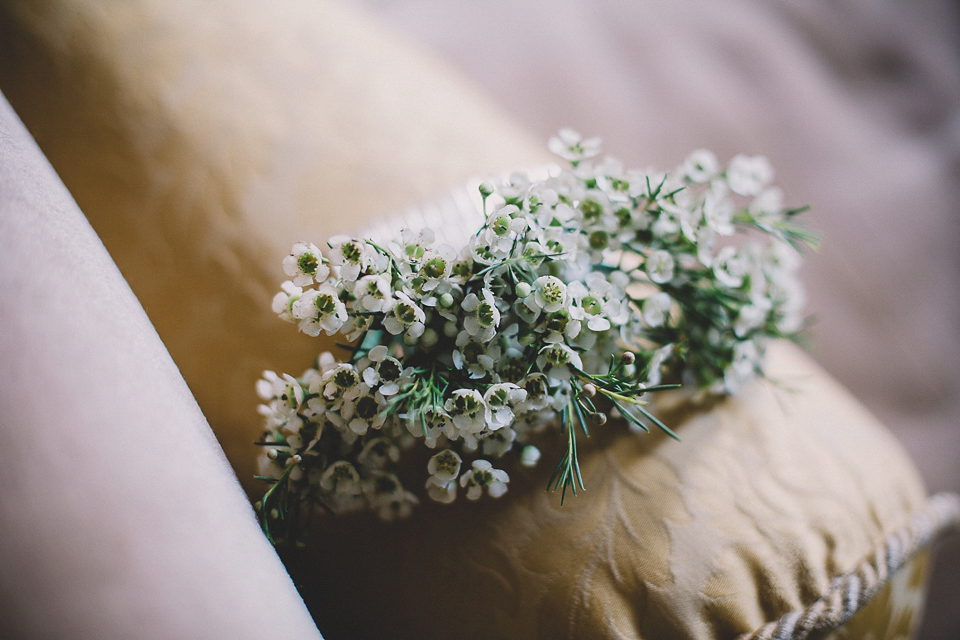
pixel 579 294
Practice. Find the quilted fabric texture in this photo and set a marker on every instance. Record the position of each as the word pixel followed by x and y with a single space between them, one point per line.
pixel 202 140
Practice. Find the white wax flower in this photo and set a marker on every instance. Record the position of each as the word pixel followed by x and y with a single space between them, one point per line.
pixel 484 476
pixel 748 175
pixel 305 264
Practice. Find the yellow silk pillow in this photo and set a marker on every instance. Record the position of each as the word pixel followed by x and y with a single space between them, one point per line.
pixel 203 139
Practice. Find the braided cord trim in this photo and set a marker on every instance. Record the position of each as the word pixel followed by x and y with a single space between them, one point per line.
pixel 849 592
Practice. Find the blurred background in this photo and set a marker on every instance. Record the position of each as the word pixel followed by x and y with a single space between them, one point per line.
pixel 857 104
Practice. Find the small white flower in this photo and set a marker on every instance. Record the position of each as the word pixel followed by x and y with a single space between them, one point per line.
pixel 591 302
pixel 655 366
pixel 768 203
pixel 341 478
pixel 718 212
pixel 357 325
pixel 354 257
pixel 444 466
pixel 751 317
pixel 660 266
pixel 537 386
pixel 284 396
pixel 570 146
pixel 655 309
pixel 338 383
pixel 443 492
pixel 500 400
pixel 388 497
pixel 555 360
pixel 549 294
pixel 484 316
pixel 729 267
pixel 503 227
pixel 305 264
pixel 364 411
pixel 474 356
pixel 283 302
pixel 373 293
pixel 467 411
pixel 748 175
pixel 405 317
pixel 746 362
pixel 484 475
pixel 320 310
pixel 701 166
pixel 436 266
pixel 497 443
pixel 377 453
pixel 414 244
pixel 384 370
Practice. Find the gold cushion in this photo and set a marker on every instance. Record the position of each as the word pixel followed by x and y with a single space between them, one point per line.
pixel 771 495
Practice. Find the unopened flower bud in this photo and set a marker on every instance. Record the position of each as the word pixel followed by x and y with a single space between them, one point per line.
pixel 450 329
pixel 446 300
pixel 274 514
pixel 297 459
pixel 529 456
pixel 523 289
pixel 485 189
pixel 272 454
pixel 429 338
pixel 600 418
pixel 589 389
pixel 628 357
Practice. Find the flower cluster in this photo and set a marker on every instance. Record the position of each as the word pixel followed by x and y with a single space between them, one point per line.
pixel 578 294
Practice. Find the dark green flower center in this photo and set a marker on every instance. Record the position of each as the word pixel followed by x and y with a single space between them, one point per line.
pixel 352 252
pixel 446 462
pixel 500 398
pixel 591 210
pixel 389 369
pixel 599 240
pixel 557 321
pixel 435 267
pixel 385 484
pixel 535 387
pixel 472 351
pixel 345 378
pixel 326 304
pixel 405 313
pixel 367 408
pixel 465 404
pixel 592 306
pixel 485 314
pixel 308 263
